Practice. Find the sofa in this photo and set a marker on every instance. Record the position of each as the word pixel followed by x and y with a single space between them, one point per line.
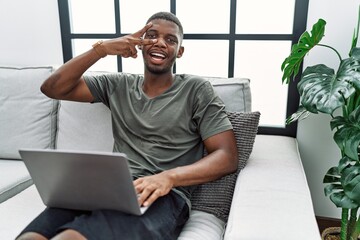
pixel 268 198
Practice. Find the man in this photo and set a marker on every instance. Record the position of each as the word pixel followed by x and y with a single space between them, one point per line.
pixel 160 120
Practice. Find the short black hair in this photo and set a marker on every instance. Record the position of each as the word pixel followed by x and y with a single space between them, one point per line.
pixel 168 16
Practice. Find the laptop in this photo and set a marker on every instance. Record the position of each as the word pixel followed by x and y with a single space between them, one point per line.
pixel 82 180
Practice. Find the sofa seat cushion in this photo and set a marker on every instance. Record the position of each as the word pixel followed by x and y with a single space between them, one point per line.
pixel 202 225
pixel 17 212
pixel 27 117
pixel 272 194
pixel 14 178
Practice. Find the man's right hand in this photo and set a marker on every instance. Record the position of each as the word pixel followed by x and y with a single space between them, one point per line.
pixel 126 46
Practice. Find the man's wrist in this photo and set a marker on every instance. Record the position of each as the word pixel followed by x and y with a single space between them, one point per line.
pixel 99 49
pixel 171 174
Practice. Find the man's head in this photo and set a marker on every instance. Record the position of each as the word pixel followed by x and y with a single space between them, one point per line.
pixel 160 57
pixel 168 17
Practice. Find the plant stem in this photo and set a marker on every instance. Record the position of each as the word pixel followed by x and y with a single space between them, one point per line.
pixel 344 220
pixel 338 54
pixel 356 34
pixel 351 230
pixel 357 229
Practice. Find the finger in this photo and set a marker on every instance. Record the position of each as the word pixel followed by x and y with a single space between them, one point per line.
pixel 129 53
pixel 155 195
pixel 141 32
pixel 133 51
pixel 125 55
pixel 143 41
pixel 145 195
pixel 148 41
pixel 138 189
pixel 138 185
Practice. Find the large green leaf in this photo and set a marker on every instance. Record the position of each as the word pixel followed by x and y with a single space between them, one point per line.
pixel 347 135
pixel 344 163
pixel 321 91
pixel 336 191
pixel 300 114
pixel 349 69
pixel 350 180
pixel 307 41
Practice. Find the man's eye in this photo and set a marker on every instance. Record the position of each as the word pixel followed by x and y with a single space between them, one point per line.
pixel 150 36
pixel 170 40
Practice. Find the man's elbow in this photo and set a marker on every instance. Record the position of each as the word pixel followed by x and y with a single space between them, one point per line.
pixel 233 163
pixel 46 90
pixel 49 87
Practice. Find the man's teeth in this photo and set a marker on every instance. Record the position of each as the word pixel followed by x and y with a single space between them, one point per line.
pixel 158 55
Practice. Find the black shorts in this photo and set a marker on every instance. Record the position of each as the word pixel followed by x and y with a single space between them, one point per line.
pixel 163 220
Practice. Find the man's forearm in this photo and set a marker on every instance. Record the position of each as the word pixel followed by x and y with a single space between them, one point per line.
pixel 209 168
pixel 66 78
pixel 213 166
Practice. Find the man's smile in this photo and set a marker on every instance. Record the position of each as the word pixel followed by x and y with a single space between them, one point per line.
pixel 157 57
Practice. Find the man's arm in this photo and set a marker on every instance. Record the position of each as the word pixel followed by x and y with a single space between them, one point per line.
pixel 221 160
pixel 67 83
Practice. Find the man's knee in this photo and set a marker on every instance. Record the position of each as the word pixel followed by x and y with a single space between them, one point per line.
pixel 69 234
pixel 31 236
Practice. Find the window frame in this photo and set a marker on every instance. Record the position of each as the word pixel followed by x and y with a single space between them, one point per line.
pixel 299 26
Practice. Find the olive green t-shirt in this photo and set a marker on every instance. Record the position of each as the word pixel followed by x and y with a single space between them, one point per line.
pixel 163 132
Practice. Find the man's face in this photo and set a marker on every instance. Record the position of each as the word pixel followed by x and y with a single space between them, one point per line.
pixel 160 57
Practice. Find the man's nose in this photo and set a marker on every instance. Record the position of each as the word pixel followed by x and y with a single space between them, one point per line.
pixel 160 42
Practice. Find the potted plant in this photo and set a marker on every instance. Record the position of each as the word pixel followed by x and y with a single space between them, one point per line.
pixel 323 90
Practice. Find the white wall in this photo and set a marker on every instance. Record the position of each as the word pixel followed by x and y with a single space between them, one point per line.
pixel 316 144
pixel 30 33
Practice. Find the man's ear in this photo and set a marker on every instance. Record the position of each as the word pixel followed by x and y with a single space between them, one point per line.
pixel 180 52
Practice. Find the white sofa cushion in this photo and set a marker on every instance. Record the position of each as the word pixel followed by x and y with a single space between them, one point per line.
pixel 27 117
pixel 84 126
pixel 235 93
pixel 273 199
pixel 17 212
pixel 202 226
pixel 14 178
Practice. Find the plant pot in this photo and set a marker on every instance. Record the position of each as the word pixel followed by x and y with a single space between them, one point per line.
pixel 331 233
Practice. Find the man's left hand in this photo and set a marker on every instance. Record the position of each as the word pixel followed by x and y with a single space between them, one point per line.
pixel 152 187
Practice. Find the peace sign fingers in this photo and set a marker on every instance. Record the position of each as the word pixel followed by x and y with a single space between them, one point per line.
pixel 139 40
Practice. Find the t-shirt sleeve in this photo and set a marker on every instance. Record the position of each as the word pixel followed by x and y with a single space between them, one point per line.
pixel 100 87
pixel 209 112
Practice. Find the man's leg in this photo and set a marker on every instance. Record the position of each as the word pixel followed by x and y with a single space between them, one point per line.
pixel 69 234
pixel 163 220
pixel 45 226
pixel 31 236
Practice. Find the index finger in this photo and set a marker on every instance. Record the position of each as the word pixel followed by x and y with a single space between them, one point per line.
pixel 141 32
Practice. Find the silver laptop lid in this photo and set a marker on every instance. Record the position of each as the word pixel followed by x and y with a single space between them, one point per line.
pixel 82 180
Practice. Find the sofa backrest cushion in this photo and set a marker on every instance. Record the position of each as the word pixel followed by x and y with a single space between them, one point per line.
pixel 27 117
pixel 84 126
pixel 235 92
